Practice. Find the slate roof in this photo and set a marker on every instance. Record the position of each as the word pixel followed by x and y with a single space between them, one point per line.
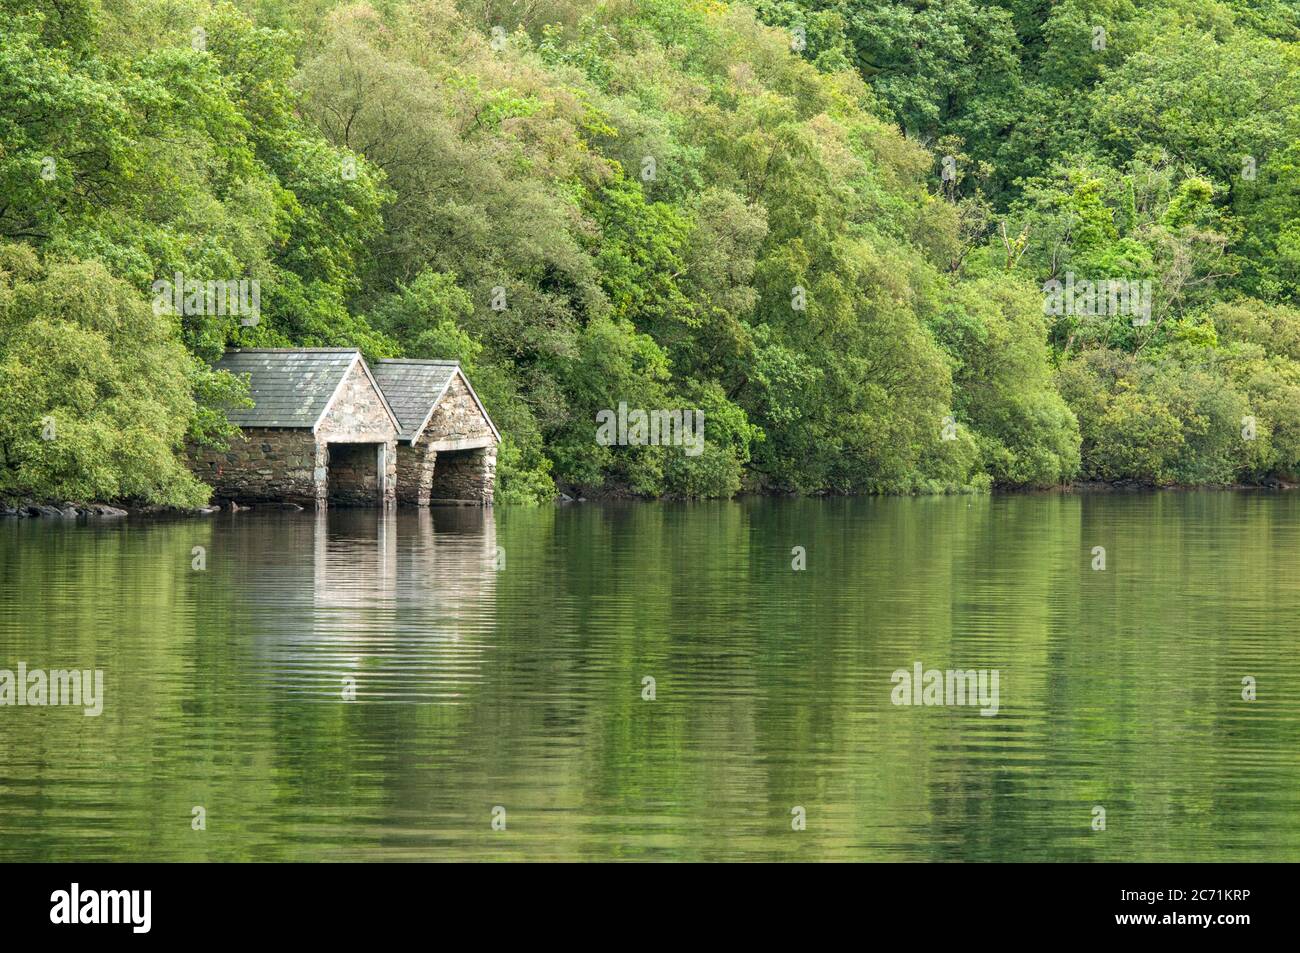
pixel 291 387
pixel 413 388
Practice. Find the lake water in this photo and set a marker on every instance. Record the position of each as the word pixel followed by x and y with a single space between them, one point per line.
pixel 497 659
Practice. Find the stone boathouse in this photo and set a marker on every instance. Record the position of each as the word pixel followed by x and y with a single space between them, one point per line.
pixel 322 431
pixel 447 444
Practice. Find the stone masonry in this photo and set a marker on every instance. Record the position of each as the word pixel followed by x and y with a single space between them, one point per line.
pixel 320 431
pixel 263 465
pixel 357 416
pixel 457 416
pixel 335 458
pixel 465 476
pixel 353 474
pixel 415 468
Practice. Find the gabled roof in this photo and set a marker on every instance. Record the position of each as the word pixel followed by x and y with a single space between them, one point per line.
pixel 414 388
pixel 293 387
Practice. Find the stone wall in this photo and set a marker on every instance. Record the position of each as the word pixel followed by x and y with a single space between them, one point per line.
pixel 353 474
pixel 339 462
pixel 263 465
pixel 358 416
pixel 465 475
pixel 294 465
pixel 415 468
pixel 457 416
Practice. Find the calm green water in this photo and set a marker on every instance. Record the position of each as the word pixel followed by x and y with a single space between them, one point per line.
pixel 522 688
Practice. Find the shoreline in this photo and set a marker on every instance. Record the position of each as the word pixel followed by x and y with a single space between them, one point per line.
pixel 26 509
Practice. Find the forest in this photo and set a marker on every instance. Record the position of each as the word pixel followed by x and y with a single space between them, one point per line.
pixel 884 246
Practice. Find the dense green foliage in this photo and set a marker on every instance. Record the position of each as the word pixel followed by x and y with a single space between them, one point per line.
pixel 1106 140
pixel 107 384
pixel 825 223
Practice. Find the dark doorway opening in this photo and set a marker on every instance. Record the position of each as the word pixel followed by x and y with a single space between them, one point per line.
pixel 459 476
pixel 353 474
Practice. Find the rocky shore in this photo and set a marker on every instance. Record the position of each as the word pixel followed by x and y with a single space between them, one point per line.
pixel 73 511
pixel 21 509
